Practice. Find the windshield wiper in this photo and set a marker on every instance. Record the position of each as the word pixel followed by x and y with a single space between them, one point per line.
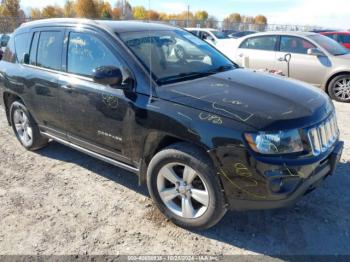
pixel 193 75
pixel 222 68
pixel 182 76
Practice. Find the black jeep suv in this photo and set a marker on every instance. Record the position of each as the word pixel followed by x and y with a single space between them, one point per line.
pixel 204 134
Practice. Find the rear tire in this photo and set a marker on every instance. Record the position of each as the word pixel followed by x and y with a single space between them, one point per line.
pixel 339 88
pixel 25 128
pixel 183 183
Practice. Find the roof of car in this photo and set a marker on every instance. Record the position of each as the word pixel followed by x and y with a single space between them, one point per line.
pixel 294 33
pixel 116 26
pixel 336 33
pixel 201 29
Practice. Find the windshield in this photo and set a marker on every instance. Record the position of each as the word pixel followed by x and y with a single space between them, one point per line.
pixel 175 55
pixel 330 45
pixel 220 35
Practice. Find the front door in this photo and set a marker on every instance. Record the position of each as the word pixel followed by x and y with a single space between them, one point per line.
pixel 94 113
pixel 304 67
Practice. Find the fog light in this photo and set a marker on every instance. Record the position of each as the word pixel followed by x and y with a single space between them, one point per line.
pixel 276 185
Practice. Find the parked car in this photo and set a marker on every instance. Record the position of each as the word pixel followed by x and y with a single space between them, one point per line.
pixel 216 38
pixel 204 134
pixel 241 34
pixel 342 38
pixel 229 31
pixel 311 57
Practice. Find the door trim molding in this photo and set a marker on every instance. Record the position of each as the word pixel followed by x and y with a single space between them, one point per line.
pixel 93 154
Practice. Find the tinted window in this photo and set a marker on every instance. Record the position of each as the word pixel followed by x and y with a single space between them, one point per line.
pixel 33 49
pixel 291 44
pixel 267 43
pixel 330 45
pixel 86 53
pixel 344 39
pixel 21 46
pixel 49 50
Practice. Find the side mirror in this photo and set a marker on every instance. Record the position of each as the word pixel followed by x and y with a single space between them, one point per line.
pixel 4 40
pixel 25 59
pixel 315 52
pixel 108 75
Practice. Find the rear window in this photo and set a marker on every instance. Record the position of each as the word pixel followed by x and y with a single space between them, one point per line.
pixel 344 39
pixel 21 46
pixel 49 50
pixel 267 43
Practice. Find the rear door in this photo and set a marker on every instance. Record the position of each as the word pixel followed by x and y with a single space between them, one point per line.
pixel 304 67
pixel 40 68
pixel 258 52
pixel 94 113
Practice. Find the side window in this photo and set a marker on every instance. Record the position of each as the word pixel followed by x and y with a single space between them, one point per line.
pixel 194 32
pixel 86 52
pixel 332 36
pixel 267 43
pixel 49 50
pixel 22 46
pixel 33 49
pixel 292 44
pixel 344 39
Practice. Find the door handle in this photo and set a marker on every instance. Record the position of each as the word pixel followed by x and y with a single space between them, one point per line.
pixel 67 87
pixel 281 59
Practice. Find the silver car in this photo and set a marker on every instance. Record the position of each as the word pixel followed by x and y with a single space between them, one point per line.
pixel 309 57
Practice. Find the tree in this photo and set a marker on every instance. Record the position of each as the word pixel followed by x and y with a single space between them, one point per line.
pixel 201 15
pixel 10 8
pixel 86 8
pixel 139 13
pixel 116 13
pixel 232 21
pixel 51 11
pixel 260 20
pixel 69 9
pixel 153 15
pixel 35 13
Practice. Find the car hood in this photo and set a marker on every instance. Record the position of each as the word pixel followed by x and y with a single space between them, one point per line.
pixel 263 101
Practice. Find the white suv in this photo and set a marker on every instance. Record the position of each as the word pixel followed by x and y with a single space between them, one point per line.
pixel 216 38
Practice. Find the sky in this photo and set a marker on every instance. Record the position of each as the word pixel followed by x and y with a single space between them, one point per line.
pixel 330 14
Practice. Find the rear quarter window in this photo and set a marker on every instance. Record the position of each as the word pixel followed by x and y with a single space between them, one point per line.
pixel 22 46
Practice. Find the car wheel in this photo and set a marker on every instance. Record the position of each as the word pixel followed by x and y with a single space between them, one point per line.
pixel 185 187
pixel 339 88
pixel 25 128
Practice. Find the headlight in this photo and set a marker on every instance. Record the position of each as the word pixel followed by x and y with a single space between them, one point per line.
pixel 272 143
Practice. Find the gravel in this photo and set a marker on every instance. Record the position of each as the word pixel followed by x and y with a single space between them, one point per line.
pixel 59 201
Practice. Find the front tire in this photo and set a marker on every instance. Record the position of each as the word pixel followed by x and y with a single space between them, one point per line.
pixel 184 185
pixel 339 88
pixel 25 128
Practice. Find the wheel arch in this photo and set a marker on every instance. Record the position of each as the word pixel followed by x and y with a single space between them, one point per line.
pixel 9 98
pixel 155 142
pixel 329 80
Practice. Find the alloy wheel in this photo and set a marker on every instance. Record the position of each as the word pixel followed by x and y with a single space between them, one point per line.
pixel 183 190
pixel 22 126
pixel 341 89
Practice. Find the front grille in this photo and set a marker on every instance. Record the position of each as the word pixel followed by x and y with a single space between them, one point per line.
pixel 323 136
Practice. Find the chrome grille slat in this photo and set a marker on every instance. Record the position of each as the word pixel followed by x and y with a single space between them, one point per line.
pixel 323 136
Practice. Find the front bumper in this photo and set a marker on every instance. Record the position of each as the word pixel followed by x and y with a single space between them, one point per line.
pixel 252 185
